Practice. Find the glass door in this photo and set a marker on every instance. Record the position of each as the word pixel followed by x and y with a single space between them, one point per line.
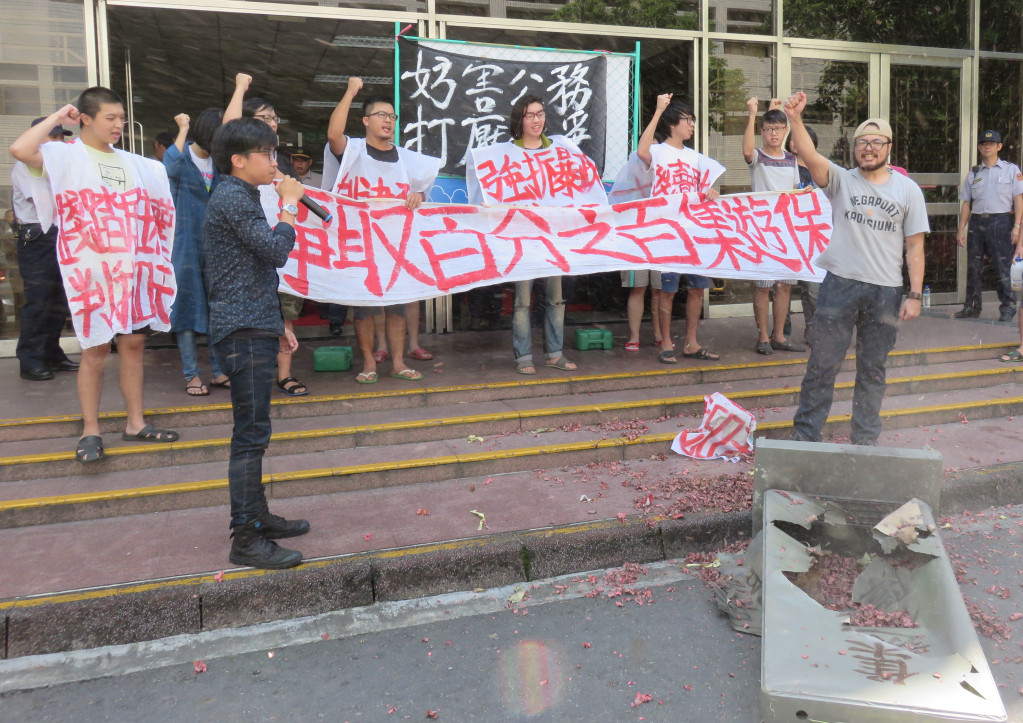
pixel 925 100
pixel 925 108
pixel 842 91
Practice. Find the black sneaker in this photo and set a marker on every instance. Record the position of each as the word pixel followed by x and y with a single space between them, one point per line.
pixel 1007 315
pixel 967 312
pixel 275 527
pixel 866 443
pixel 252 549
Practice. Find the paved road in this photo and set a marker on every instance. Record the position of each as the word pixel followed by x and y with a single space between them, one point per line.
pixel 554 655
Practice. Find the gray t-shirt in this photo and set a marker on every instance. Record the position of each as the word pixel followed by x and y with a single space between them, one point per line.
pixel 871 222
pixel 768 173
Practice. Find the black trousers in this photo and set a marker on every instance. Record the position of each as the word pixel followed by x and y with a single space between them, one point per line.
pixel 45 310
pixel 990 234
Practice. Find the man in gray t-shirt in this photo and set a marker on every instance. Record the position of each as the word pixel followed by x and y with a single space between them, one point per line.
pixel 875 214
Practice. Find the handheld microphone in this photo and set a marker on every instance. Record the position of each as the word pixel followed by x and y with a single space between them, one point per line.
pixel 317 209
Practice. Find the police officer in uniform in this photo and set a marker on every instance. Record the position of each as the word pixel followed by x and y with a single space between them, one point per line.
pixel 992 197
pixel 45 310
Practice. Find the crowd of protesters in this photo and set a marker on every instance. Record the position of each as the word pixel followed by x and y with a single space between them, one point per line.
pixel 225 257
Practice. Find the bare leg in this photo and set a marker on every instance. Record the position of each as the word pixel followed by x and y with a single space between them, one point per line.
pixel 90 386
pixel 761 305
pixel 665 300
pixel 381 330
pixel 635 311
pixel 364 329
pixel 284 359
pixel 396 339
pixel 694 307
pixel 655 314
pixel 412 322
pixel 129 349
pixel 782 294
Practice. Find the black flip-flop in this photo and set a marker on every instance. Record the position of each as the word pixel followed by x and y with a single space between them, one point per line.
pixel 90 449
pixel 704 354
pixel 149 433
pixel 196 390
pixel 667 357
pixel 292 391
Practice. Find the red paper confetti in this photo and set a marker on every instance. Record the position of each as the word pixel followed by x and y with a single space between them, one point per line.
pixel 641 698
pixel 198 666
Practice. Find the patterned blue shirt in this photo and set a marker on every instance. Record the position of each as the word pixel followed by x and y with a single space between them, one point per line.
pixel 242 257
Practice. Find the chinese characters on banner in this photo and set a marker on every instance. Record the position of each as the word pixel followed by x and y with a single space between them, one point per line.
pixel 454 102
pixel 376 252
pixel 558 175
pixel 114 250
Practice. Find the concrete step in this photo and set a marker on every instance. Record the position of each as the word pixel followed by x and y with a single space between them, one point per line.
pixel 202 412
pixel 50 458
pixel 627 434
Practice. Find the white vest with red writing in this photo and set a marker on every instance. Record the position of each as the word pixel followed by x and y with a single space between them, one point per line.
pixel 359 176
pixel 114 249
pixel 670 171
pixel 559 175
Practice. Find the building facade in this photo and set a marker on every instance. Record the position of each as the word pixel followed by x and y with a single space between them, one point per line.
pixel 940 70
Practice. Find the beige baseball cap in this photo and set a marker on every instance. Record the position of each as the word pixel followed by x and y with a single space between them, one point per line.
pixel 874 127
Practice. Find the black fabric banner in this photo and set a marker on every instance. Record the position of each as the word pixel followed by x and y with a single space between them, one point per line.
pixel 451 102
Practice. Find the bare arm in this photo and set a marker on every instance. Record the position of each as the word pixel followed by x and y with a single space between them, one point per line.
pixel 964 221
pixel 749 136
pixel 647 139
pixel 242 82
pixel 817 164
pixel 182 120
pixel 339 118
pixel 26 147
pixel 915 261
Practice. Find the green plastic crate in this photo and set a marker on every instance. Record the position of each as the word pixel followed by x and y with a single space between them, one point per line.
pixel 332 359
pixel 593 339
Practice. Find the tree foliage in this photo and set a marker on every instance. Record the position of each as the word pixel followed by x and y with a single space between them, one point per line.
pixel 928 23
pixel 639 13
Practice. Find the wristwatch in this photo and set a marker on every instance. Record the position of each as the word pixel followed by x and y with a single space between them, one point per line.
pixel 290 208
pixel 915 295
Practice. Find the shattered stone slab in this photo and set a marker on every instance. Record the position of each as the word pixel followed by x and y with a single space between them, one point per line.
pixel 816 666
pixel 845 471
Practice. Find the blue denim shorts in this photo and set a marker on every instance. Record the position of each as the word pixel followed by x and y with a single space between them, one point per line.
pixel 670 281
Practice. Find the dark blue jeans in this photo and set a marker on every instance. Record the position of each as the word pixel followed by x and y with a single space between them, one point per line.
pixel 843 306
pixel 249 363
pixel 45 309
pixel 991 235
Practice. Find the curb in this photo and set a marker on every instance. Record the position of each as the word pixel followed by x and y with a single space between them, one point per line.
pixel 155 609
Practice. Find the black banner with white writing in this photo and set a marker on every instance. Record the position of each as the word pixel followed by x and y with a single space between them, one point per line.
pixel 452 102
